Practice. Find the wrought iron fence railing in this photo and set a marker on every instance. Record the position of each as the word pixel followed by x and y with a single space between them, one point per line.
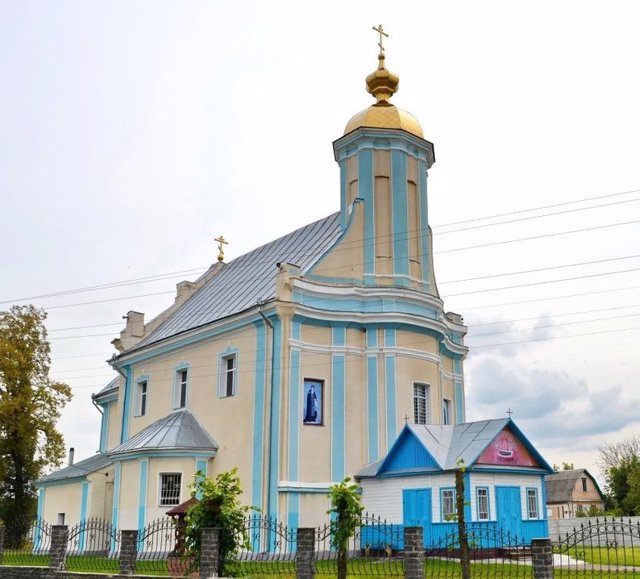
pixel 27 541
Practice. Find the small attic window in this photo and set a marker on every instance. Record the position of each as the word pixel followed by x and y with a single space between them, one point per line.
pixel 584 484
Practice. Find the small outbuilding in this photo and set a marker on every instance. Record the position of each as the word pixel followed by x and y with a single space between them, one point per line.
pixel 504 480
pixel 571 493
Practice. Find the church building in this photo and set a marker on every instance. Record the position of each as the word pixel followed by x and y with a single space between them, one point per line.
pixel 299 362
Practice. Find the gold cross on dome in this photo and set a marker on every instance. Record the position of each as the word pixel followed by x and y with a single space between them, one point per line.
pixel 221 243
pixel 382 33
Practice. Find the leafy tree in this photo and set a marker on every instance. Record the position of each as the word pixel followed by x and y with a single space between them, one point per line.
pixel 219 506
pixel 30 406
pixel 620 462
pixel 565 466
pixel 346 509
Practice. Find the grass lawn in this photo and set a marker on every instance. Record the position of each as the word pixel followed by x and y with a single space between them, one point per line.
pixel 621 556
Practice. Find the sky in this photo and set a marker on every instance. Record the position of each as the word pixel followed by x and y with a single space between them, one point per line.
pixel 132 133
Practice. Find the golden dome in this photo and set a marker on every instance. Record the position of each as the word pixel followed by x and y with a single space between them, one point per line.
pixel 385 116
pixel 382 84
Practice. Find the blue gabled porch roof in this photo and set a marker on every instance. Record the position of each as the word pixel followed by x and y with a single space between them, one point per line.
pixel 424 448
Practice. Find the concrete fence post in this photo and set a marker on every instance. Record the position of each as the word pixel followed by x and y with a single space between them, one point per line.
pixel 210 553
pixel 413 553
pixel 2 529
pixel 542 558
pixel 58 549
pixel 128 552
pixel 305 553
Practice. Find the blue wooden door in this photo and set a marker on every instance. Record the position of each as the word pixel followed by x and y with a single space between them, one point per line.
pixel 416 510
pixel 509 510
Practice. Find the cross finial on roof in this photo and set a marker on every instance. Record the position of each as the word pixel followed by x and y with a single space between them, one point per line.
pixel 382 33
pixel 406 419
pixel 221 243
pixel 509 411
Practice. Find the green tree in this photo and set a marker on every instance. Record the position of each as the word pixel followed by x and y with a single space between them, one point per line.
pixel 219 506
pixel 565 466
pixel 30 406
pixel 346 509
pixel 620 462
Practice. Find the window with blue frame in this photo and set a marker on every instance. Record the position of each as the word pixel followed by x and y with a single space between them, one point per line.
pixel 532 504
pixel 447 504
pixel 180 388
pixel 446 411
pixel 228 373
pixel 482 503
pixel 141 398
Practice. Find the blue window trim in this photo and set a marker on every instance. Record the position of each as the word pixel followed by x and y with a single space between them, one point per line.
pixel 442 491
pixel 174 394
pixel 136 402
pixel 488 504
pixel 222 385
pixel 536 494
pixel 449 407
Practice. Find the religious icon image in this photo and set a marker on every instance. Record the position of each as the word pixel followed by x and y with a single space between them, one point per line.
pixel 507 450
pixel 312 402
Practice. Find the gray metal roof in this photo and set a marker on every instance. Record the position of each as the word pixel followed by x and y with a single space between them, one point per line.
pixel 78 470
pixel 110 388
pixel 178 431
pixel 448 444
pixel 249 278
pixel 560 485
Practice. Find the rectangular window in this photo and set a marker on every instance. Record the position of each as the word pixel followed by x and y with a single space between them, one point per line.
pixel 312 402
pixel 229 375
pixel 532 503
pixel 584 484
pixel 482 501
pixel 141 398
pixel 446 411
pixel 421 404
pixel 170 483
pixel 448 504
pixel 180 388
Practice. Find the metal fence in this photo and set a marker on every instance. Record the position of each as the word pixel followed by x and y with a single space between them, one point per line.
pixel 27 541
pixel 160 549
pixel 492 553
pixel 374 549
pixel 269 548
pixel 93 545
pixel 606 547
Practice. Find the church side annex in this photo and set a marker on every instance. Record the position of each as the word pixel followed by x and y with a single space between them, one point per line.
pixel 298 362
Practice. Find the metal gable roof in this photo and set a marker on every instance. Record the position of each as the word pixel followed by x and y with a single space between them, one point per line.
pixel 178 431
pixel 560 485
pixel 80 469
pixel 250 278
pixel 448 444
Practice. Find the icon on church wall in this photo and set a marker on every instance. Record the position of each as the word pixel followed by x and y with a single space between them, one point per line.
pixel 312 402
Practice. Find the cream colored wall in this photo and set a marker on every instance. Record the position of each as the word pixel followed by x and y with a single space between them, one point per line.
pixel 129 492
pixel 228 420
pixel 185 466
pixel 64 498
pixel 100 501
pixel 114 424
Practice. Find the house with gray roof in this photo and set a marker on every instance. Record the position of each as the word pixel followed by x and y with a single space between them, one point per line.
pixel 571 493
pixel 504 481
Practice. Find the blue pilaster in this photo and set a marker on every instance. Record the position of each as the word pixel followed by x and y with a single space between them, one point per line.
pixel 104 427
pixel 294 404
pixel 390 381
pixel 274 422
pixel 400 233
pixel 338 406
pixel 365 190
pixel 126 404
pixel 372 395
pixel 142 493
pixel 116 499
pixel 425 240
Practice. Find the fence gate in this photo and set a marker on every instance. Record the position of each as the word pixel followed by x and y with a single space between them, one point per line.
pixel 603 547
